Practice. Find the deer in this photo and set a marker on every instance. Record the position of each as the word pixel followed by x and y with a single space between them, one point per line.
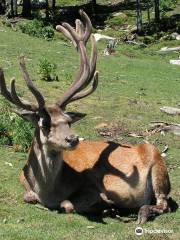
pixel 84 176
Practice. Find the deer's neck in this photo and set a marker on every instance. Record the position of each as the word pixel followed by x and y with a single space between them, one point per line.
pixel 48 163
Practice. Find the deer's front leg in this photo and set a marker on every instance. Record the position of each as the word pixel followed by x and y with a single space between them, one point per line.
pixel 29 196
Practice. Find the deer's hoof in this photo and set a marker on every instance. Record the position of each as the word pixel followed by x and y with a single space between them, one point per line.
pixel 30 197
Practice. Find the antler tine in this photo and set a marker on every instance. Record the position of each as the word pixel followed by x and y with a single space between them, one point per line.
pixel 4 91
pixel 92 62
pixel 12 95
pixel 80 33
pixel 60 28
pixel 75 36
pixel 88 26
pixel 32 88
pixel 79 27
pixel 93 56
pixel 19 102
pixel 88 91
pixel 86 74
pixel 76 86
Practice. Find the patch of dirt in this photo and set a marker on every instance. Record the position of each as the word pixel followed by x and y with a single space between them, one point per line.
pixel 118 132
pixel 7 197
pixel 112 131
pixel 129 55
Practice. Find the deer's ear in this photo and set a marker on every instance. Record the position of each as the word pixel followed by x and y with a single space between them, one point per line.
pixel 75 116
pixel 29 116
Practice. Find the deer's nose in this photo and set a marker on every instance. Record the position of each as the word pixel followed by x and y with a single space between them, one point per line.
pixel 72 139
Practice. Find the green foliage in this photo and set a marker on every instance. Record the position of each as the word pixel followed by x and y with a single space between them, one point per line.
pixel 21 132
pixel 47 70
pixel 5 137
pixel 149 39
pixel 14 131
pixel 70 2
pixel 36 28
pixel 47 32
pixel 165 5
pixel 117 20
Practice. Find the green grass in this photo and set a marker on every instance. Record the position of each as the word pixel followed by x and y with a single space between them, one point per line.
pixel 133 73
pixel 76 2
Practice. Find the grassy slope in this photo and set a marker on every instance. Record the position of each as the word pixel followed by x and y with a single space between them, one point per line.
pixel 130 74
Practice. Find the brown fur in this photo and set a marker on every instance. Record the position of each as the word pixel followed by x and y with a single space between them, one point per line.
pixel 130 177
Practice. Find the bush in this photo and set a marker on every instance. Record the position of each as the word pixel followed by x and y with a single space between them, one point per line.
pixel 47 32
pixel 117 21
pixel 14 131
pixel 167 5
pixel 5 137
pixel 149 39
pixel 36 28
pixel 47 70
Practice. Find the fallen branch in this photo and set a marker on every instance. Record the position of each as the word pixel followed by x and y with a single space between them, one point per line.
pixel 41 207
pixel 135 135
pixel 136 43
pixel 163 127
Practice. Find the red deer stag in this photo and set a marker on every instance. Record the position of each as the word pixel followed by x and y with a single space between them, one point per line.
pixel 94 174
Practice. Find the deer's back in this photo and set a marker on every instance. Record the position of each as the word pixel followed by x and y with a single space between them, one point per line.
pixel 109 155
pixel 123 172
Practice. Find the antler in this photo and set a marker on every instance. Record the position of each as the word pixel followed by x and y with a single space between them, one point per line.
pixel 87 72
pixel 12 95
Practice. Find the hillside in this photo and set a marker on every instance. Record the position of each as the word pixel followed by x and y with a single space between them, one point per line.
pixel 134 83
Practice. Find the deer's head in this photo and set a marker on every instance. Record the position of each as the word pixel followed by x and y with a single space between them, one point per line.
pixel 53 122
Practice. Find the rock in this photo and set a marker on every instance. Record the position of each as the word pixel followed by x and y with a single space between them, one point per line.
pixel 175 36
pixel 170 110
pixel 90 227
pixel 175 62
pixel 5 220
pixel 8 164
pixel 20 220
